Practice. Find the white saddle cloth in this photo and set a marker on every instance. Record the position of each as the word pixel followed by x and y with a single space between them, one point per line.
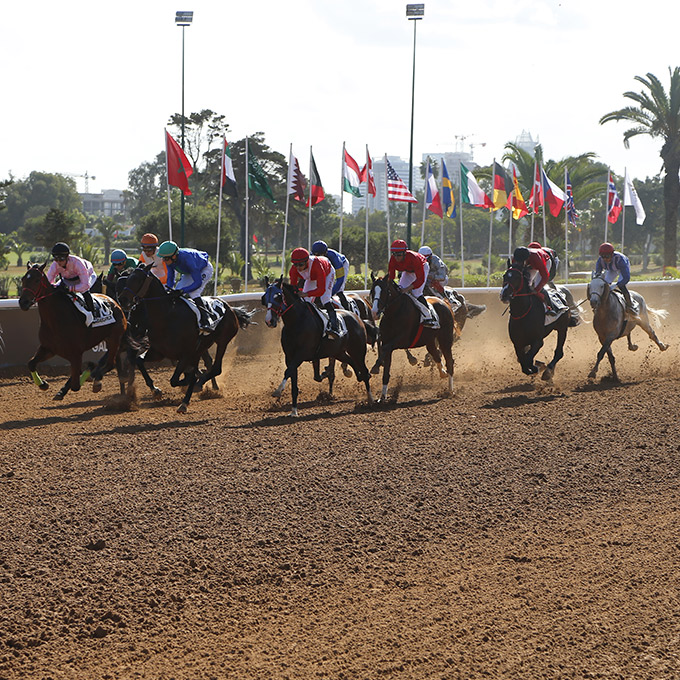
pixel 103 313
pixel 216 310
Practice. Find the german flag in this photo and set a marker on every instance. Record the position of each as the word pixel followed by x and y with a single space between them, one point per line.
pixel 502 186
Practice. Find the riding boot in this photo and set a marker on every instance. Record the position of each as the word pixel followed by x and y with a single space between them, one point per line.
pixel 343 300
pixel 430 320
pixel 551 311
pixel 205 319
pixel 332 318
pixel 629 303
pixel 89 302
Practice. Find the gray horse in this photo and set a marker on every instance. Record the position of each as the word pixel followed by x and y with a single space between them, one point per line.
pixel 611 322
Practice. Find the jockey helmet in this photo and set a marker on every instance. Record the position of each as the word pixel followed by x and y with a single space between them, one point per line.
pixel 167 249
pixel 399 246
pixel 60 249
pixel 118 256
pixel 319 248
pixel 521 254
pixel 299 256
pixel 425 250
pixel 535 244
pixel 149 240
pixel 606 249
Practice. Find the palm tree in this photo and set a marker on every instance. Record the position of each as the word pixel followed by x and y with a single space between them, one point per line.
pixel 657 114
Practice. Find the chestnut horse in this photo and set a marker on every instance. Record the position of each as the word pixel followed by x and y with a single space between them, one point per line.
pixel 63 331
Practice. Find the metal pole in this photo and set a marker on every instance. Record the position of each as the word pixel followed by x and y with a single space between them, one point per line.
pixel 410 158
pixel 182 204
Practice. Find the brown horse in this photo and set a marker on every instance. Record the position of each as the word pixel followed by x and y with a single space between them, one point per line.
pixel 400 328
pixel 63 331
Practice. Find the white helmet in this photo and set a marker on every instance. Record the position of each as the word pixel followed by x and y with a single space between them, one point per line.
pixel 425 250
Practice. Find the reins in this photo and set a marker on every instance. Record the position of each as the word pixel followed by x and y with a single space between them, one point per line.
pixel 43 285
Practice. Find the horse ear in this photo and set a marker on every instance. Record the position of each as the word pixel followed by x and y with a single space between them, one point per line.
pixel 42 266
pixel 147 267
pixel 266 281
pixel 280 280
pixel 372 277
pixel 508 263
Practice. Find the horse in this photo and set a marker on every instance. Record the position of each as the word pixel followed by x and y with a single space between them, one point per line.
pixel 302 339
pixel 527 327
pixel 63 331
pixel 400 328
pixel 462 309
pixel 611 321
pixel 174 334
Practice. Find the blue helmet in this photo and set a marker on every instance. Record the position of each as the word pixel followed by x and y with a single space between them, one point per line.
pixel 118 256
pixel 319 248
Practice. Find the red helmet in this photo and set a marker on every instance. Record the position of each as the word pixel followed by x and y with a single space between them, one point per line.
pixel 149 240
pixel 606 249
pixel 299 256
pixel 535 244
pixel 399 246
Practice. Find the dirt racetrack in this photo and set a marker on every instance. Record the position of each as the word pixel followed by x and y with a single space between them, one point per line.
pixel 514 530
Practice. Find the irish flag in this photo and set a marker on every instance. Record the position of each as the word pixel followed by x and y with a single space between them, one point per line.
pixel 350 173
pixel 471 191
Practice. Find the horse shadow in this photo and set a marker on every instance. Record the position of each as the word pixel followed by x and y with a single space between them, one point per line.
pixel 521 400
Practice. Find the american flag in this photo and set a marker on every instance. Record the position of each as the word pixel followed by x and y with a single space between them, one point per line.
pixel 396 189
pixel 572 215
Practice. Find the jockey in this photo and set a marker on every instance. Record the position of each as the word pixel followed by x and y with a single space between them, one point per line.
pixel 119 263
pixel 341 265
pixel 196 271
pixel 316 275
pixel 554 260
pixel 438 275
pixel 615 264
pixel 77 274
pixel 149 246
pixel 536 262
pixel 414 271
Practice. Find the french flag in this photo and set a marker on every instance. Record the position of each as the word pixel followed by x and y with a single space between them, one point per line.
pixel 432 200
pixel 555 198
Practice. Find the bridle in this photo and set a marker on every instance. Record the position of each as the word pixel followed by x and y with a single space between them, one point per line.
pixel 140 294
pixel 277 308
pixel 516 290
pixel 43 285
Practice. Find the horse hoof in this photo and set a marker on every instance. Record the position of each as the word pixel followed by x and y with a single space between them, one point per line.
pixel 294 413
pixel 347 372
pixel 44 385
pixel 97 386
pixel 157 394
pixel 412 360
pixel 182 408
pixel 375 370
pixel 633 348
pixel 58 396
pixel 663 347
pixel 547 375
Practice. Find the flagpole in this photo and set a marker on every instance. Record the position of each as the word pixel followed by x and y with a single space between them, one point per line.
pixel 488 265
pixel 219 217
pixel 566 229
pixel 533 206
pixel 462 256
pixel 289 185
pixel 246 249
pixel 606 204
pixel 441 226
pixel 545 235
pixel 623 208
pixel 387 210
pixel 422 229
pixel 167 176
pixel 342 193
pixel 309 224
pixel 510 231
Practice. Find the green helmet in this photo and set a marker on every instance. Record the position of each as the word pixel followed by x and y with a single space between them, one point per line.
pixel 167 249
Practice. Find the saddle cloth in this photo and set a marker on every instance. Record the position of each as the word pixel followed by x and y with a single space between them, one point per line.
pixel 427 313
pixel 103 313
pixel 559 304
pixel 622 301
pixel 216 309
pixel 352 305
pixel 323 315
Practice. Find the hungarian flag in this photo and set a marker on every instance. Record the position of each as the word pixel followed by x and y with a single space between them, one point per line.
pixel 257 179
pixel 502 186
pixel 614 206
pixel 432 201
pixel 515 201
pixel 351 176
pixel 367 175
pixel 448 199
pixel 228 178
pixel 316 192
pixel 296 181
pixel 177 165
pixel 471 192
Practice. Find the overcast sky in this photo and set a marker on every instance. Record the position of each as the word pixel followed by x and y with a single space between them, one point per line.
pixel 88 86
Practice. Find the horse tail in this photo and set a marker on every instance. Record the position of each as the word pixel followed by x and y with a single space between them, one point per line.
pixel 243 316
pixel 474 310
pixel 657 316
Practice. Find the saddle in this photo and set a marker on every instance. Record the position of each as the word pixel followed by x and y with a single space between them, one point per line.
pixel 323 315
pixel 352 305
pixel 103 313
pixel 427 313
pixel 215 310
pixel 559 305
pixel 618 295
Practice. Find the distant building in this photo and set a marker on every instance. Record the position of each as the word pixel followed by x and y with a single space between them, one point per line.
pixel 453 159
pixel 109 203
pixel 526 142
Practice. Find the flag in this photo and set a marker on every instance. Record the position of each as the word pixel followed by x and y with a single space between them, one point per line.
pixel 572 215
pixel 351 176
pixel 614 206
pixel 177 165
pixel 448 199
pixel 228 178
pixel 316 192
pixel 432 201
pixel 502 186
pixel 471 192
pixel 515 201
pixel 630 197
pixel 396 189
pixel 536 195
pixel 367 175
pixel 296 181
pixel 257 179
pixel 553 196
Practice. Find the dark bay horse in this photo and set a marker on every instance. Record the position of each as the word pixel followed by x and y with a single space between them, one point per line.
pixel 174 334
pixel 63 331
pixel 527 327
pixel 303 339
pixel 400 328
pixel 611 322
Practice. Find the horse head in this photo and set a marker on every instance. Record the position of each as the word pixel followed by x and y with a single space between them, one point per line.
pixel 514 281
pixel 137 285
pixel 598 291
pixel 34 285
pixel 382 293
pixel 273 299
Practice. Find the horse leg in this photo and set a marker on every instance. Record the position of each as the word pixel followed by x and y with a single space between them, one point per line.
pixel 330 374
pixel 647 328
pixel 140 363
pixel 559 352
pixel 361 372
pixel 411 359
pixel 612 363
pixel 387 365
pixel 279 390
pixel 316 365
pixel 292 375
pixel 42 354
pixel 605 349
pixel 208 362
pixel 191 383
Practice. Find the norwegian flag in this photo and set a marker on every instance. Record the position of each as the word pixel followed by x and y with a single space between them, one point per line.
pixel 396 189
pixel 614 206
pixel 572 215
